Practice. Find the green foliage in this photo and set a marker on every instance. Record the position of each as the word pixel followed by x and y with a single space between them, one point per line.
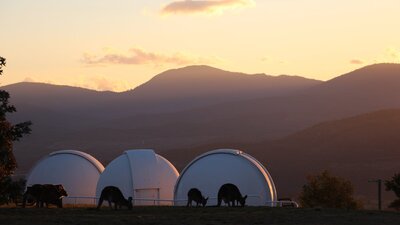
pixel 8 132
pixel 394 185
pixel 328 191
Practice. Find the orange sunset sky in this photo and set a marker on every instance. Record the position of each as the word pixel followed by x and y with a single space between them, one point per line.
pixel 118 45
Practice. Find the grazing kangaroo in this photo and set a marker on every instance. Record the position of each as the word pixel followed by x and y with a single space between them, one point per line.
pixel 52 194
pixel 230 194
pixel 113 194
pixel 195 195
pixel 45 194
pixel 32 192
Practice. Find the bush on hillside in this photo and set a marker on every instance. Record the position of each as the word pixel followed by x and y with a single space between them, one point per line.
pixel 327 191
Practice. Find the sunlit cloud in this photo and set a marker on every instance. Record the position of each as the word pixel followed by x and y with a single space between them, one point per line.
pixel 104 84
pixel 100 83
pixel 204 6
pixel 356 61
pixel 29 79
pixel 137 56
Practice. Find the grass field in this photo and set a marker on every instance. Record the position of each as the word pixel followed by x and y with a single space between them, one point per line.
pixel 196 216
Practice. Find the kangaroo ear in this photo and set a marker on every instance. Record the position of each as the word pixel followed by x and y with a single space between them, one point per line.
pixel 207 198
pixel 245 197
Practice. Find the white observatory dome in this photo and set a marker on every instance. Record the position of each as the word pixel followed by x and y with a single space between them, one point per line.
pixel 143 175
pixel 210 171
pixel 77 171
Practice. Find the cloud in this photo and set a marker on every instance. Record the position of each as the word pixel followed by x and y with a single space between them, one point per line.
pixel 28 79
pixel 204 6
pixel 356 61
pixel 100 83
pixel 103 84
pixel 137 56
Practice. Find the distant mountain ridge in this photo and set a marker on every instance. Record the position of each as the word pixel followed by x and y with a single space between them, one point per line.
pixel 172 90
pixel 106 123
pixel 199 86
pixel 277 116
pixel 56 97
pixel 201 80
pixel 69 117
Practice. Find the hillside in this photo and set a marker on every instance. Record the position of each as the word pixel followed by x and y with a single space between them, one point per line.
pixel 272 117
pixel 172 90
pixel 57 97
pixel 359 148
pixel 367 134
pixel 196 86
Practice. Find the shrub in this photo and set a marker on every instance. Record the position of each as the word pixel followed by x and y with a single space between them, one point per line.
pixel 328 191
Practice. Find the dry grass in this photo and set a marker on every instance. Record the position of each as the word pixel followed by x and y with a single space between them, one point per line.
pixel 196 216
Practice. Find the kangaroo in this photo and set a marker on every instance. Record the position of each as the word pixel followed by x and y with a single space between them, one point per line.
pixel 44 194
pixel 195 195
pixel 52 194
pixel 32 193
pixel 230 194
pixel 113 194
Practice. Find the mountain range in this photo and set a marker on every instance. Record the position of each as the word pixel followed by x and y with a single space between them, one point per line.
pixel 295 126
pixel 108 122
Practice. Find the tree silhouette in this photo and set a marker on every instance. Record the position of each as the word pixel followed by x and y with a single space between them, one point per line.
pixel 328 191
pixel 394 185
pixel 11 191
pixel 8 133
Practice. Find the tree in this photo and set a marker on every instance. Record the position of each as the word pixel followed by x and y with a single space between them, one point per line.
pixel 11 191
pixel 328 191
pixel 9 133
pixel 394 185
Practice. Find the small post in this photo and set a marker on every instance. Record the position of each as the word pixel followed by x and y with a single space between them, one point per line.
pixel 379 182
pixel 380 194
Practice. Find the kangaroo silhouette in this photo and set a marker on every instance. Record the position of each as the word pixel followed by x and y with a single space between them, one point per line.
pixel 114 195
pixel 45 194
pixel 195 195
pixel 230 194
